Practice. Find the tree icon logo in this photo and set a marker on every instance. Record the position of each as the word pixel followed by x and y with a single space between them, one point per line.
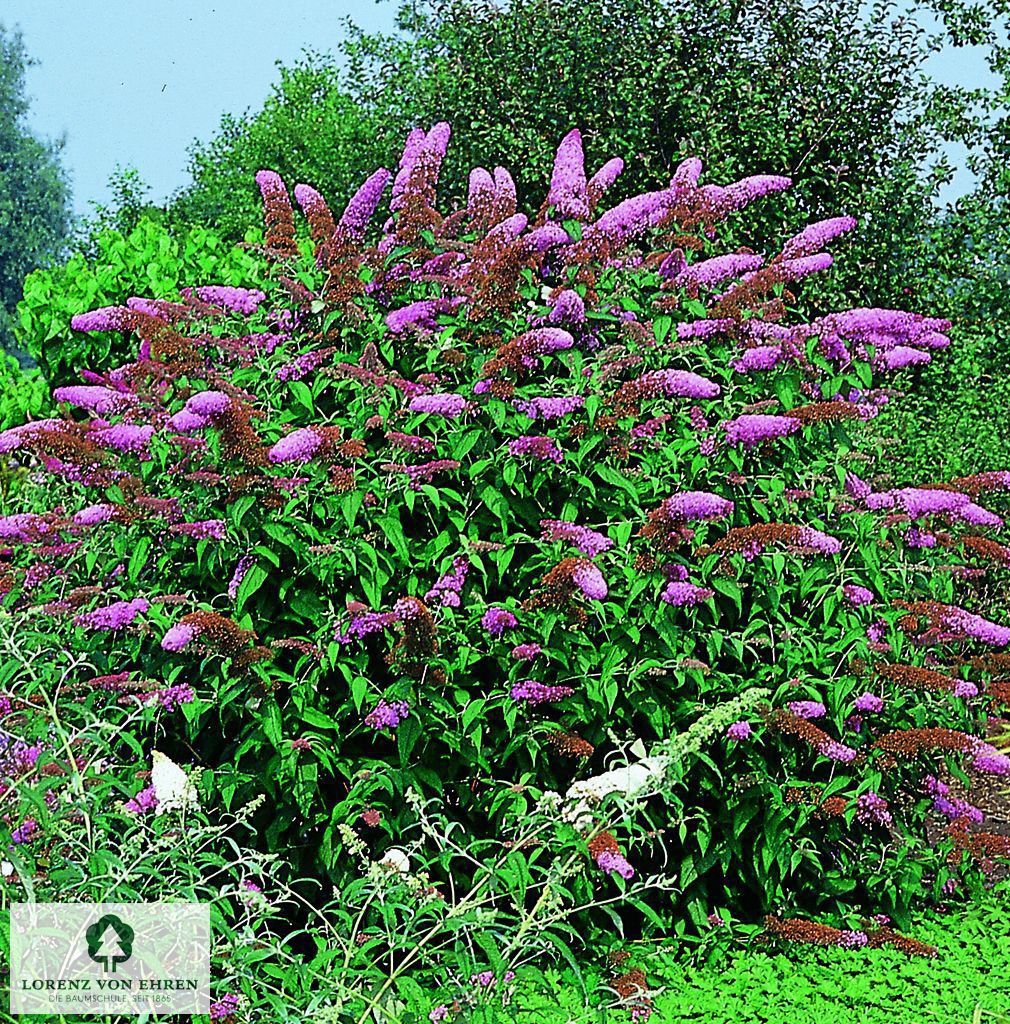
pixel 110 942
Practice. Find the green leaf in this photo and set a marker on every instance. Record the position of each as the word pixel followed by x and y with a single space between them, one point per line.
pixel 611 476
pixel 313 717
pixel 408 732
pixel 251 582
pixel 303 395
pixel 271 720
pixel 393 529
pixel 138 558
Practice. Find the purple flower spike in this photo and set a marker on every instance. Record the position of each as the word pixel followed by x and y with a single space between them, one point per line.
pixel 568 194
pixel 807 708
pixel 868 702
pixel 363 203
pixel 387 716
pixel 497 620
pixel 590 581
pixel 534 693
pixel 739 731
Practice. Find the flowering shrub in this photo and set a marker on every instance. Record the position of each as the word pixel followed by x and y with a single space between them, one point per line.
pixel 148 259
pixel 499 510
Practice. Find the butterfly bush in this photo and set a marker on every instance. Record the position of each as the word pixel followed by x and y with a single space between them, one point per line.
pixel 407 611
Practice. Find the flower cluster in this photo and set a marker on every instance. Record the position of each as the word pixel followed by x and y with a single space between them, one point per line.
pixel 604 850
pixel 387 715
pixel 588 541
pixel 533 692
pixel 792 724
pixel 447 588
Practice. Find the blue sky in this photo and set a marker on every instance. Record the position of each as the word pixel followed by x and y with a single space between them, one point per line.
pixel 134 82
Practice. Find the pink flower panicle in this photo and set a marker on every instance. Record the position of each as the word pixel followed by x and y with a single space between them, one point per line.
pixel 125 437
pixel 242 566
pixel 178 637
pixel 535 693
pixel 94 514
pixel 538 447
pixel 113 617
pixel 857 596
pixel 95 398
pixel 363 203
pixel 364 623
pixel 146 800
pixel 815 236
pixel 696 507
pixel 677 384
pixel 711 272
pixel 609 861
pixel 298 446
pixel 526 652
pixel 387 716
pixel 448 405
pixel 589 542
pixel 236 300
pixel 496 620
pixel 807 708
pixel 919 503
pixel 753 429
pixel 685 595
pixel 226 1007
pixel 588 578
pixel 205 529
pixel 549 408
pixel 872 809
pixel 25 832
pixel 447 588
pixel 568 193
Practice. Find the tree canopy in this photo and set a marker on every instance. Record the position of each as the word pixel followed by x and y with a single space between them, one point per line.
pixel 34 191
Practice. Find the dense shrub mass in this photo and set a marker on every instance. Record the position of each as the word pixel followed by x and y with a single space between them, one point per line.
pixel 530 567
pixel 149 258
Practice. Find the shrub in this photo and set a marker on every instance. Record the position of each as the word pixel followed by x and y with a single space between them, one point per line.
pixel 525 564
pixel 149 258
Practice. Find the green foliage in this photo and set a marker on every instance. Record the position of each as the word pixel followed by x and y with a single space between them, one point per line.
pixel 127 208
pixel 34 194
pixel 967 983
pixel 286 717
pixel 965 398
pixel 310 129
pixel 149 260
pixel 24 394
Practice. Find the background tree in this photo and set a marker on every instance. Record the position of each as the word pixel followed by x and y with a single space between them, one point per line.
pixel 34 192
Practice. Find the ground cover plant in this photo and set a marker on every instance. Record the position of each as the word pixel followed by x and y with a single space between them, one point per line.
pixel 965 983
pixel 737 979
pixel 520 584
